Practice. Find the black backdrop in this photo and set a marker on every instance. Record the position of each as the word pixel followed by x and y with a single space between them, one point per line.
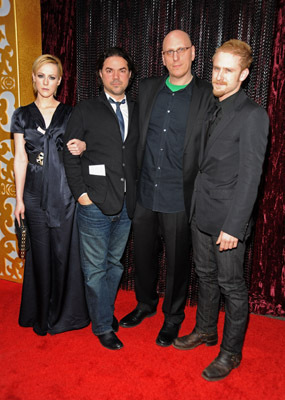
pixel 140 26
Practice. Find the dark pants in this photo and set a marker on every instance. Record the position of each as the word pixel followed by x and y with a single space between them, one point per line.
pixel 53 297
pixel 220 272
pixel 175 230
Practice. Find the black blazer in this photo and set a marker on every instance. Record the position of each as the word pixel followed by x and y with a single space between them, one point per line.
pixel 200 103
pixel 95 122
pixel 230 166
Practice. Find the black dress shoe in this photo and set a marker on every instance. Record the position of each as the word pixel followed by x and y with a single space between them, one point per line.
pixel 135 317
pixel 221 366
pixel 167 334
pixel 194 339
pixel 110 341
pixel 115 324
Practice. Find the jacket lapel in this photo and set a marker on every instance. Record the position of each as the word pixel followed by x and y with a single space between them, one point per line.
pixel 218 130
pixel 131 105
pixel 204 131
pixel 194 110
pixel 157 85
pixel 105 101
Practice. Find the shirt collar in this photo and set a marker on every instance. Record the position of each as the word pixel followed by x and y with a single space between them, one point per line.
pixel 228 104
pixel 110 97
pixel 186 89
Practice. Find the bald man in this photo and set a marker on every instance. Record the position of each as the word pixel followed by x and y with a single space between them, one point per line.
pixel 171 109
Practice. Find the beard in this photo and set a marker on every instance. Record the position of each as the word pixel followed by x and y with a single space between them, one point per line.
pixel 219 92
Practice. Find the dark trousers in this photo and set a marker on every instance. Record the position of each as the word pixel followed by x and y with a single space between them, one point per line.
pixel 175 230
pixel 220 272
pixel 53 296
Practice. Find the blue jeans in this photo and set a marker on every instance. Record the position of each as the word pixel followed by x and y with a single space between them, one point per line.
pixel 103 240
pixel 220 272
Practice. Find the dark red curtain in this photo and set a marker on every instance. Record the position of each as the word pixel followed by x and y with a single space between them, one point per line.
pixel 139 26
pixel 59 39
pixel 267 292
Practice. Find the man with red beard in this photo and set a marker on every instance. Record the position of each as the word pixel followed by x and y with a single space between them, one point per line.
pixel 230 165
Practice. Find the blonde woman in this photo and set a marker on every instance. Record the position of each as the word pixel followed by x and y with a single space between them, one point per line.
pixel 53 298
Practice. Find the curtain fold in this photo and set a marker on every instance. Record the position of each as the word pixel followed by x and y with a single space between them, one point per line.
pixel 267 291
pixel 59 39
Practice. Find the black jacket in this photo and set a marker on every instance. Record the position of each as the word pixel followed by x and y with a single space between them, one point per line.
pixel 95 122
pixel 230 166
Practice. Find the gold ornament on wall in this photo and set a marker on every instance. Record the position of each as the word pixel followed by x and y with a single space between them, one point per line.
pixel 16 58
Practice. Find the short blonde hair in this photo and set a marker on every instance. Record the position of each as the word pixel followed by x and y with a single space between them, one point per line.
pixel 237 48
pixel 42 60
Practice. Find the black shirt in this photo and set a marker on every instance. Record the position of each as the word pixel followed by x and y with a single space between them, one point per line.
pixel 227 105
pixel 222 108
pixel 161 182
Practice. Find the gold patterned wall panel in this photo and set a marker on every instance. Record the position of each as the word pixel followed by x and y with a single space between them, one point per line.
pixel 20 44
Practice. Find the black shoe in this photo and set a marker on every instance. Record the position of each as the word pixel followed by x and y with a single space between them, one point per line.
pixel 221 366
pixel 115 324
pixel 135 317
pixel 195 339
pixel 167 334
pixel 110 341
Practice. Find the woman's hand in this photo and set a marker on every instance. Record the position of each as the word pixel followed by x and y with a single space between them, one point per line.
pixel 19 210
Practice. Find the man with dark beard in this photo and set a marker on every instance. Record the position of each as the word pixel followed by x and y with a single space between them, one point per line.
pixel 103 180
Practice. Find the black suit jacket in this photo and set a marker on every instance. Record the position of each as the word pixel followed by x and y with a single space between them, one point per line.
pixel 200 103
pixel 95 122
pixel 230 166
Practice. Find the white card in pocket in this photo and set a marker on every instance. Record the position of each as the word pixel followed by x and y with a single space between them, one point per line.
pixel 97 170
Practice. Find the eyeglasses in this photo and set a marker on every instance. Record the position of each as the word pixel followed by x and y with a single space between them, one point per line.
pixel 179 51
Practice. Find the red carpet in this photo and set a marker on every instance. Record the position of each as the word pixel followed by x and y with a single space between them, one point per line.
pixel 74 365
